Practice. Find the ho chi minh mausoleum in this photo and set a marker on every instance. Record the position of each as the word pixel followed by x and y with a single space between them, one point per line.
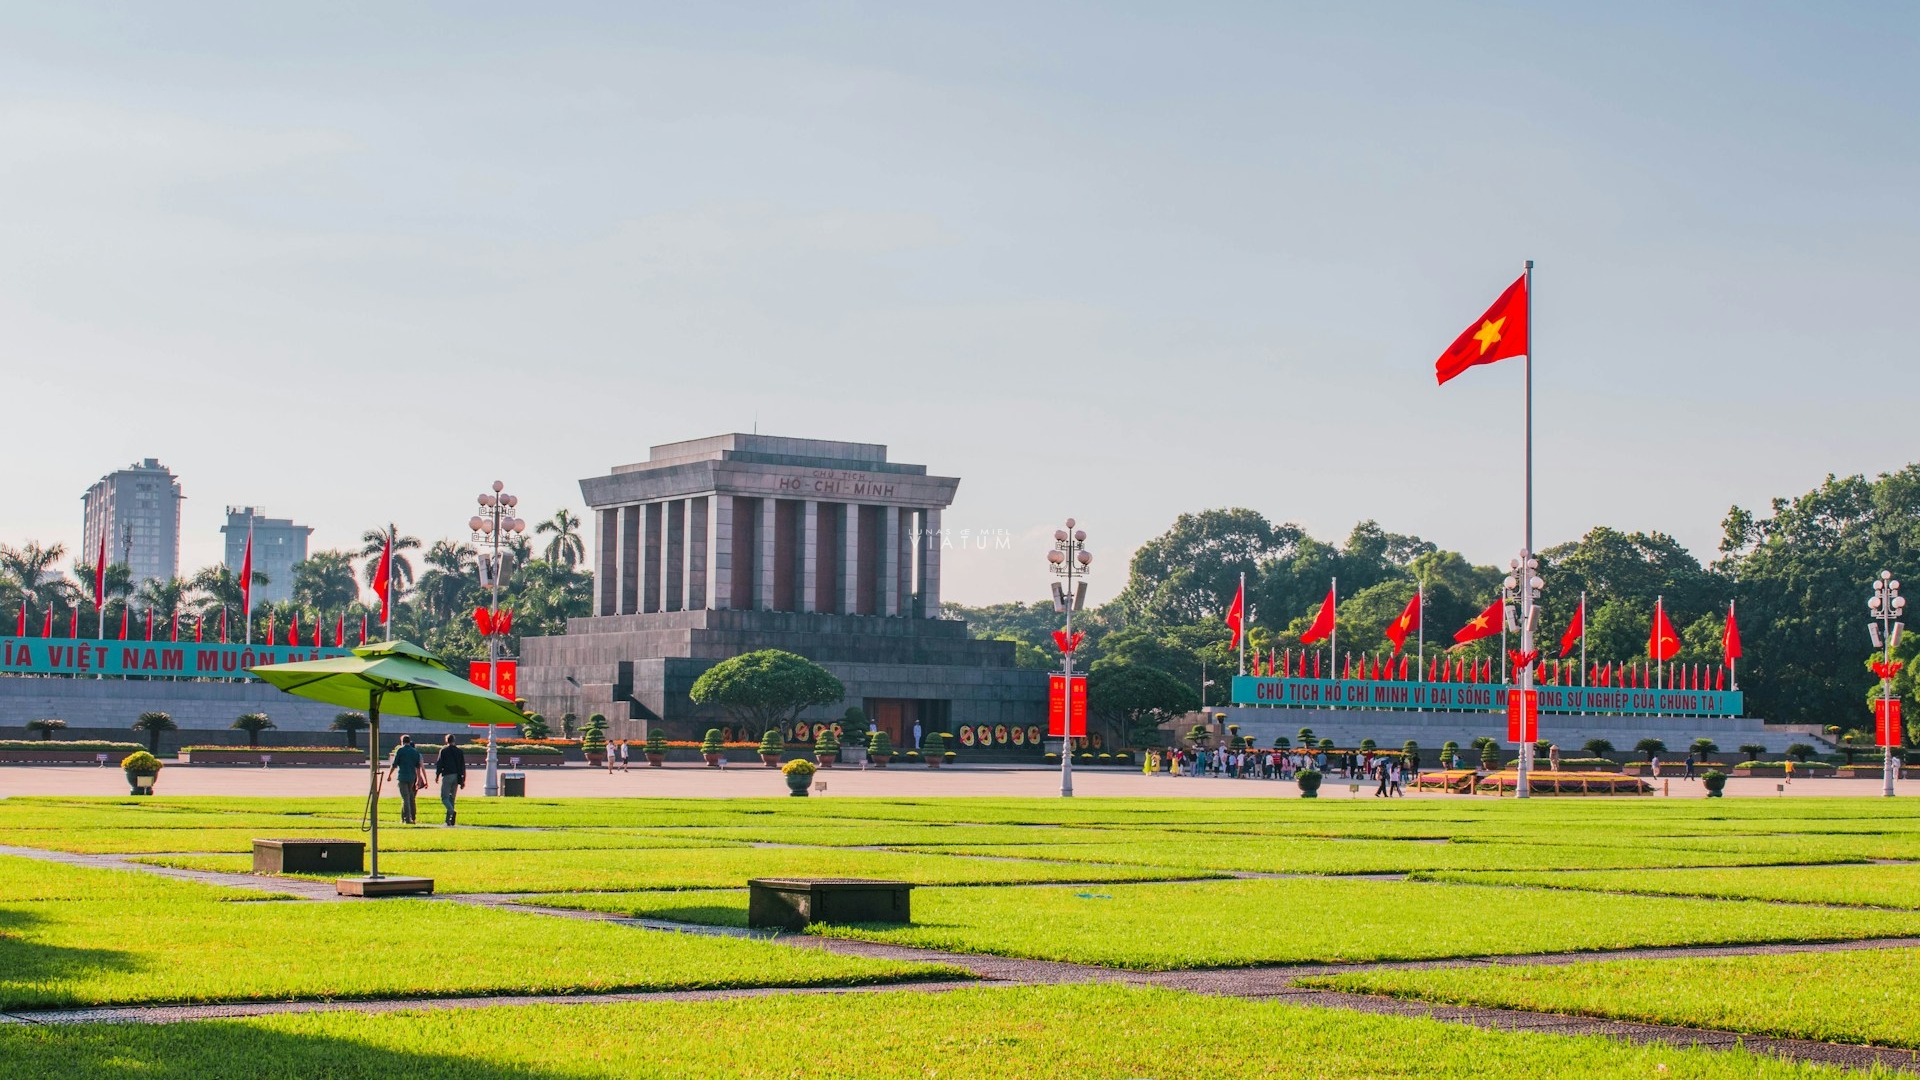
pixel 720 546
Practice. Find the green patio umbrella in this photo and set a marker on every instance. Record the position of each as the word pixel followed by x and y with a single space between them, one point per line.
pixel 397 677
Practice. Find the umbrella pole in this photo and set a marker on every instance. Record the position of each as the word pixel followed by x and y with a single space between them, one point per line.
pixel 373 785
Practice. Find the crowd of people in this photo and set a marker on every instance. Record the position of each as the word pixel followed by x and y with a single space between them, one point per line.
pixel 1390 771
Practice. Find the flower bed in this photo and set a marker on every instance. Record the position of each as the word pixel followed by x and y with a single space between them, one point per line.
pixel 530 754
pixel 278 755
pixel 55 751
pixel 1458 781
pixel 1564 783
pixel 1779 768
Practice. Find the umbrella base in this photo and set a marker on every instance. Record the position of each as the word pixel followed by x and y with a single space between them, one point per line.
pixel 382 886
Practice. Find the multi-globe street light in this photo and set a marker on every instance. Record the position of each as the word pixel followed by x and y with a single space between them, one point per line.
pixel 1068 559
pixel 1884 608
pixel 1522 586
pixel 494 522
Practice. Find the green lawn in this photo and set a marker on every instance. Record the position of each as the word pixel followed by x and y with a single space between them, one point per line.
pixel 1295 920
pixel 1036 1033
pixel 1864 886
pixel 700 868
pixel 1865 996
pixel 95 937
pixel 394 837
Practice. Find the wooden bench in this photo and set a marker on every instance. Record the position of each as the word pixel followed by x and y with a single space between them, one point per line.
pixel 306 856
pixel 796 903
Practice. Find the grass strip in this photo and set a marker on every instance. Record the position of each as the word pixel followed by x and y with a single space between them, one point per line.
pixel 1865 996
pixel 1862 886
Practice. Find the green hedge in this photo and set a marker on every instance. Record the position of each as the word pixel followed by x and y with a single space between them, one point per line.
pixel 515 751
pixel 69 744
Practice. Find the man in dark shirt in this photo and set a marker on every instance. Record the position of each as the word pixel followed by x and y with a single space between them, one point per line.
pixel 406 766
pixel 451 768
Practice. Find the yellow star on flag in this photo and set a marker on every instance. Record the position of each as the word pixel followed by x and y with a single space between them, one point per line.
pixel 1489 333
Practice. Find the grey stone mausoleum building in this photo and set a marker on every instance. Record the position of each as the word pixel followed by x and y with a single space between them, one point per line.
pixel 720 546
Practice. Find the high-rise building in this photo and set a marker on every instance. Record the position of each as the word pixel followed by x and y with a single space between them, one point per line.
pixel 137 510
pixel 277 545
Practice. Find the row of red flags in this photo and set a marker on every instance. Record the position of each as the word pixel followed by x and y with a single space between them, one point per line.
pixel 198 630
pixel 1307 665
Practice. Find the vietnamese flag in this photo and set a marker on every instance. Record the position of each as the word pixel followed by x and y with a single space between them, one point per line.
pixel 293 628
pixel 1662 643
pixel 1574 629
pixel 1409 619
pixel 1730 638
pixel 1485 624
pixel 1322 622
pixel 383 579
pixel 1500 333
pixel 1236 614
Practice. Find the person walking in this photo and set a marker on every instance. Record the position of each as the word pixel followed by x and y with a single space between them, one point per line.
pixel 450 768
pixel 1553 758
pixel 623 755
pixel 1380 770
pixel 1689 773
pixel 1393 780
pixel 405 767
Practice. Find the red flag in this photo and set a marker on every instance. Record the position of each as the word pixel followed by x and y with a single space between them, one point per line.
pixel 1574 629
pixel 149 624
pixel 483 621
pixel 176 624
pixel 199 624
pixel 340 631
pixel 1485 624
pixel 1398 629
pixel 383 578
pixel 1236 614
pixel 1316 663
pixel 1662 644
pixel 73 623
pixel 246 574
pixel 1720 679
pixel 100 574
pixel 293 628
pixel 503 624
pixel 223 624
pixel 269 637
pixel 1403 668
pixel 123 622
pixel 1322 623
pixel 363 626
pixel 1730 638
pixel 46 625
pixel 317 620
pixel 20 624
pixel 1500 333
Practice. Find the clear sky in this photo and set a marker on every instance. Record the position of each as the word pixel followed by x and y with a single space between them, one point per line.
pixel 350 262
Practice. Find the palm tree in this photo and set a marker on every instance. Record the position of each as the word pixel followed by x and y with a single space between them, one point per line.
pixel 162 596
pixel 117 584
pixel 350 722
pixel 46 727
pixel 153 723
pixel 373 541
pixel 449 577
pixel 566 545
pixel 32 570
pixel 253 724
pixel 218 586
pixel 324 581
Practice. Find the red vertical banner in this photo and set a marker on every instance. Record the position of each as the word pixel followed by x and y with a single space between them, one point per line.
pixel 509 679
pixel 1067 706
pixel 1886 717
pixel 1523 716
pixel 479 674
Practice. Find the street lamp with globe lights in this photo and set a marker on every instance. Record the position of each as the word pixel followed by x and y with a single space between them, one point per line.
pixel 1068 559
pixel 494 524
pixel 1884 608
pixel 1522 587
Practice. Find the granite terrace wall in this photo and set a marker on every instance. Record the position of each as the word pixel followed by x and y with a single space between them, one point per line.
pixel 205 709
pixel 1391 728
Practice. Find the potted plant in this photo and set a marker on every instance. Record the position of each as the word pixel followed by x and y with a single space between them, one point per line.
pixel 826 747
pixel 771 747
pixel 1309 781
pixel 594 743
pixel 656 748
pixel 799 774
pixel 931 748
pixel 142 770
pixel 879 749
pixel 711 748
pixel 1715 781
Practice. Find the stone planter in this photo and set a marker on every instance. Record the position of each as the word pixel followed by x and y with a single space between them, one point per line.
pixel 242 755
pixel 1716 784
pixel 1860 772
pixel 933 761
pixel 798 783
pixel 597 760
pixel 712 760
pixel 656 761
pixel 879 761
pixel 1309 782
pixel 825 761
pixel 771 761
pixel 141 783
pixel 1744 769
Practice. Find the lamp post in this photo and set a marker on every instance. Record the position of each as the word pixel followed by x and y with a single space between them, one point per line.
pixel 1884 608
pixel 1523 585
pixel 1068 559
pixel 490 526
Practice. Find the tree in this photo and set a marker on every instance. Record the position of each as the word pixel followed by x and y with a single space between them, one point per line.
pixel 1134 699
pixel 566 548
pixel 323 581
pixel 374 541
pixel 253 724
pixel 1704 747
pixel 536 726
pixel 218 587
pixel 351 723
pixel 1650 748
pixel 1191 572
pixel 766 688
pixel 116 584
pixel 1853 742
pixel 46 727
pixel 1799 751
pixel 1597 747
pixel 450 578
pixel 31 570
pixel 163 596
pixel 1753 750
pixel 153 723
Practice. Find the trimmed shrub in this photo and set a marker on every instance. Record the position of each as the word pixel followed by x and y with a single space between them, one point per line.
pixel 879 744
pixel 140 762
pixel 712 743
pixel 656 741
pixel 772 743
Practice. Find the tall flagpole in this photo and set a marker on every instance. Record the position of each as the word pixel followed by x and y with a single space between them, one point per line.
pixel 1422 594
pixel 1583 639
pixel 246 569
pixel 1243 625
pixel 1333 633
pixel 1520 788
pixel 1733 662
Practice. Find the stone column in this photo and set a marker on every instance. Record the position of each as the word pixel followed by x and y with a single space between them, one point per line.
pixel 650 562
pixel 850 562
pixel 903 547
pixel 720 552
pixel 809 552
pixel 763 595
pixel 699 560
pixel 673 560
pixel 889 538
pixel 931 555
